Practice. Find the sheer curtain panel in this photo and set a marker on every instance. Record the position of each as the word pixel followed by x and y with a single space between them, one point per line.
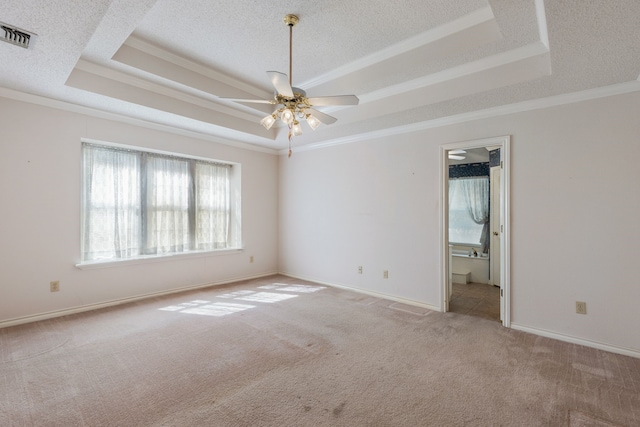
pixel 212 206
pixel 476 194
pixel 111 203
pixel 469 211
pixel 138 203
pixel 167 211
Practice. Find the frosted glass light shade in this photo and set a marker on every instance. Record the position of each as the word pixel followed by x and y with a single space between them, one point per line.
pixel 287 116
pixel 268 121
pixel 296 129
pixel 313 122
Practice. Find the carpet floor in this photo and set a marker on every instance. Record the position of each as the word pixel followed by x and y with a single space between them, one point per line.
pixel 284 352
pixel 476 299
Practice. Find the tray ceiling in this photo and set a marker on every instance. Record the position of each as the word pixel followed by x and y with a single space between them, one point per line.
pixel 169 64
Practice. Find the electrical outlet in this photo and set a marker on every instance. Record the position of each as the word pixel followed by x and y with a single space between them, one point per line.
pixel 54 286
pixel 385 274
pixel 359 269
pixel 581 307
pixel 251 258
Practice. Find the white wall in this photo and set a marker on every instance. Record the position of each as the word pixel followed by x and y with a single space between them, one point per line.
pixel 575 202
pixel 575 198
pixel 40 214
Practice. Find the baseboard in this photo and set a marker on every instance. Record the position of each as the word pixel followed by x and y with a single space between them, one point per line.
pixel 90 307
pixel 536 331
pixel 575 340
pixel 366 292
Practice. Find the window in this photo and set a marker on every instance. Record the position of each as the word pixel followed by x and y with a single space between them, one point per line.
pixel 138 203
pixel 469 210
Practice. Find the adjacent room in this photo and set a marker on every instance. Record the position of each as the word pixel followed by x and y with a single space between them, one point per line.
pixel 319 213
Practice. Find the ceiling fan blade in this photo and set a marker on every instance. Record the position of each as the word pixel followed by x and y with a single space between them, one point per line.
pixel 280 81
pixel 334 100
pixel 324 118
pixel 457 152
pixel 255 101
pixel 454 157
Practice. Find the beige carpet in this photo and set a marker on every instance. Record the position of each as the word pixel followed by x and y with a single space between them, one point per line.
pixel 265 353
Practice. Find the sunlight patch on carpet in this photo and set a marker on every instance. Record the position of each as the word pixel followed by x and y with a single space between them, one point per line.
pixel 304 289
pixel 236 294
pixel 205 308
pixel 183 305
pixel 218 309
pixel 172 308
pixel 268 297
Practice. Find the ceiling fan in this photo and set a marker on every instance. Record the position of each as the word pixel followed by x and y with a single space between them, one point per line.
pixel 293 101
pixel 457 155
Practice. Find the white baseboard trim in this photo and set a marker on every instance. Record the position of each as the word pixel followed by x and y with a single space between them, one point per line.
pixel 536 331
pixel 366 292
pixel 575 340
pixel 90 307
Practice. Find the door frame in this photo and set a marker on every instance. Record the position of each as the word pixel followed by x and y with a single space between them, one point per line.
pixel 504 143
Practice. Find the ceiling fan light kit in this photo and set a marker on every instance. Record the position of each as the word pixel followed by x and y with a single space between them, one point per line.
pixel 295 106
pixel 457 154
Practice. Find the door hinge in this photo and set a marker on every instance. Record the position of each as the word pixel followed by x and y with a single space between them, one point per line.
pixel 501 164
pixel 501 292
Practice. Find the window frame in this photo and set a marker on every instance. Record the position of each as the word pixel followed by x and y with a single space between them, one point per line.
pixel 235 210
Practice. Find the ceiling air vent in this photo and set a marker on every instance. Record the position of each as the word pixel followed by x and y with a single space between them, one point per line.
pixel 15 35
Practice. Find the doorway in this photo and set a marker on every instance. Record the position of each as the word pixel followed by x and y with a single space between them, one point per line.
pixel 498 227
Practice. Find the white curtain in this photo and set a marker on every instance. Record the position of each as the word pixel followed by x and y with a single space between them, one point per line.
pixel 111 203
pixel 469 197
pixel 475 191
pixel 137 203
pixel 167 204
pixel 212 206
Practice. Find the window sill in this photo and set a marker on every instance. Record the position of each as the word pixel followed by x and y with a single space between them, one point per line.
pixel 92 265
pixel 468 245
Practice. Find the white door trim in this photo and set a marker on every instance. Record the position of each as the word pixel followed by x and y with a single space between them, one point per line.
pixel 504 143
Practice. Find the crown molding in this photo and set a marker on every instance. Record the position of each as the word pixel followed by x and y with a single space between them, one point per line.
pixel 119 76
pixel 93 112
pixel 491 62
pixel 470 20
pixel 570 98
pixel 536 104
pixel 542 23
pixel 182 62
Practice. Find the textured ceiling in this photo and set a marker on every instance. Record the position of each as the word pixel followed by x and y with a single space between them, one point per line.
pixel 241 37
pixel 169 62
